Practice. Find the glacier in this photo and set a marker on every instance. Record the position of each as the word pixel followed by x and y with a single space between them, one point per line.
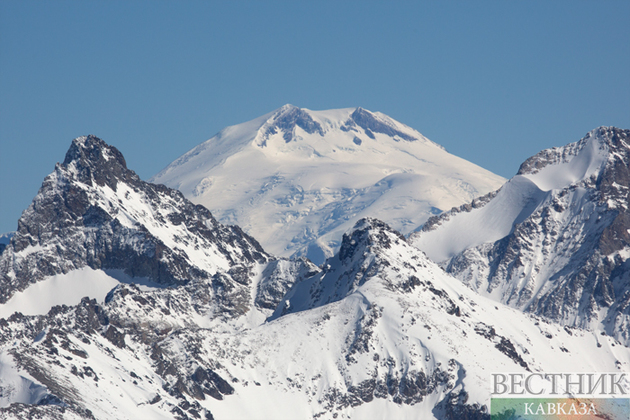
pixel 297 179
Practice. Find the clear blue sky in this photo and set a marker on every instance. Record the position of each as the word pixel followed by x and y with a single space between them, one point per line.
pixel 492 81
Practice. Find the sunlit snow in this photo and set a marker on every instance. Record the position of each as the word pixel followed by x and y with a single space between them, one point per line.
pixel 298 196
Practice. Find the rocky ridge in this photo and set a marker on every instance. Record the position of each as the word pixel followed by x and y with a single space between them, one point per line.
pixel 565 253
pixel 382 331
pixel 93 211
pixel 378 331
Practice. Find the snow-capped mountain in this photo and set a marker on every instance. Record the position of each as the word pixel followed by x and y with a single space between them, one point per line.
pixel 382 332
pixel 94 223
pixel 223 330
pixel 297 179
pixel 554 240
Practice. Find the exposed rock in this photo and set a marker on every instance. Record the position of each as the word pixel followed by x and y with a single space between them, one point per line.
pixel 370 124
pixel 289 117
pixel 92 211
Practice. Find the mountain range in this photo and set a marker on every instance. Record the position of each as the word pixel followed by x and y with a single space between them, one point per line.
pixel 123 299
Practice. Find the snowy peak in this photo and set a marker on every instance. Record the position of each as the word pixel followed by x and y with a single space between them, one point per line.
pixel 297 179
pixel 575 163
pixel 367 234
pixel 554 240
pixel 288 118
pixel 371 252
pixel 92 211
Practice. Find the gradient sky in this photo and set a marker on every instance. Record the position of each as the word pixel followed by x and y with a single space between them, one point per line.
pixel 492 81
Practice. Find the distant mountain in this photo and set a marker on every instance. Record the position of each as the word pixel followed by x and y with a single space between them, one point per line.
pixel 554 240
pixel 297 179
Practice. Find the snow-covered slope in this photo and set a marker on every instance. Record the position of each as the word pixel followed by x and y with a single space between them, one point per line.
pixel 554 240
pixel 381 333
pixel 296 179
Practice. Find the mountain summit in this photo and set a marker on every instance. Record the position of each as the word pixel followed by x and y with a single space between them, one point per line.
pixel 92 216
pixel 297 179
pixel 554 240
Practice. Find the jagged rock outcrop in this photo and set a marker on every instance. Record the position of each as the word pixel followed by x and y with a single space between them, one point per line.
pixel 92 211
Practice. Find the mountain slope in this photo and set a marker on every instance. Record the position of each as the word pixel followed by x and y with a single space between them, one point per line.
pixel 297 179
pixel 554 240
pixel 381 333
pixel 95 223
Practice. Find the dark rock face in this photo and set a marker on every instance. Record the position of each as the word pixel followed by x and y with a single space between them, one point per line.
pixel 371 125
pixel 287 119
pixel 97 162
pixel 410 388
pixel 50 409
pixel 278 277
pixel 455 407
pixel 92 211
pixel 503 344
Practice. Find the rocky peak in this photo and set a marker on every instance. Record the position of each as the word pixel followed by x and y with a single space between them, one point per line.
pixel 286 119
pixel 93 160
pixel 371 124
pixel 367 254
pixel 92 211
pixel 617 140
pixel 565 254
pixel 368 233
pixel 610 141
pixel 606 152
pixel 616 173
